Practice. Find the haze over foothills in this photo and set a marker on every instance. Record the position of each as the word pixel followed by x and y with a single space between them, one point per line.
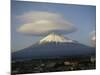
pixel 31 21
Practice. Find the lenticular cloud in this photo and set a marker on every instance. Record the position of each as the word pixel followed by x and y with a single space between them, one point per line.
pixel 43 23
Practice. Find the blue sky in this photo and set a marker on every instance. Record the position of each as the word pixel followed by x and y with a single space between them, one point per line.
pixel 82 17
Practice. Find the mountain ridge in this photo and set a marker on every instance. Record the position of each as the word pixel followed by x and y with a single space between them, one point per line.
pixel 53 49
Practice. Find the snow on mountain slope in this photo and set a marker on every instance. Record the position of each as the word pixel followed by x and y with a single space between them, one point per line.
pixel 55 38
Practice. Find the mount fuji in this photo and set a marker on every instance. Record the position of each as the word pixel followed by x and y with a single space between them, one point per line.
pixel 54 46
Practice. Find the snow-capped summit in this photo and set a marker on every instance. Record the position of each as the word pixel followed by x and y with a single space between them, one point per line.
pixel 56 46
pixel 55 38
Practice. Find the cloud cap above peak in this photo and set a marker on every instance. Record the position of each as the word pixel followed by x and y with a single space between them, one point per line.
pixel 43 23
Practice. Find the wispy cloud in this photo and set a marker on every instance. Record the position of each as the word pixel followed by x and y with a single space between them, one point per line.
pixel 42 23
pixel 93 38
